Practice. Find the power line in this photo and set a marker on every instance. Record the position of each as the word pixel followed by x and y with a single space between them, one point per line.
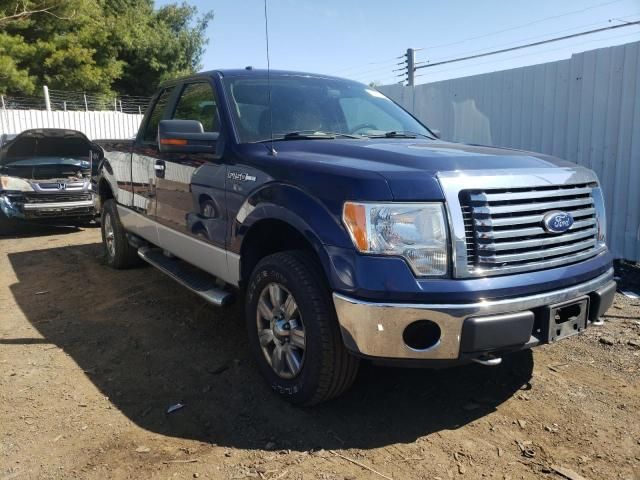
pixel 534 44
pixel 519 56
pixel 365 65
pixel 369 72
pixel 517 27
pixel 362 70
pixel 621 19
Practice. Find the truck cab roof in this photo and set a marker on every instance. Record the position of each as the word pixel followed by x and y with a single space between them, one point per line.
pixel 253 72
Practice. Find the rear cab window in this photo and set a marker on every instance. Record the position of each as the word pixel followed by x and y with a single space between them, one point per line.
pixel 157 114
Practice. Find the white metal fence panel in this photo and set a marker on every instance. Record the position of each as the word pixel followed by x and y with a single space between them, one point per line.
pixel 107 125
pixel 585 109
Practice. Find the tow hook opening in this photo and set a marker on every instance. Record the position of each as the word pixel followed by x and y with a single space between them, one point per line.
pixel 421 335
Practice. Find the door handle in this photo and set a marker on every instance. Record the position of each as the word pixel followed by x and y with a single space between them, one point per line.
pixel 159 168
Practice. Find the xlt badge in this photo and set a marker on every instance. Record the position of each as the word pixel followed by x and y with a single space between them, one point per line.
pixel 241 177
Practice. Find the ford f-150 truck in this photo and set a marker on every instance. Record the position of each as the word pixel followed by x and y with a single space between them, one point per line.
pixel 350 230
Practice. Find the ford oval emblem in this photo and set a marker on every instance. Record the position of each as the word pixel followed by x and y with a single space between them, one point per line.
pixel 557 222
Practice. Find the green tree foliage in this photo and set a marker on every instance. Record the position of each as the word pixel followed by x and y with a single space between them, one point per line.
pixel 97 46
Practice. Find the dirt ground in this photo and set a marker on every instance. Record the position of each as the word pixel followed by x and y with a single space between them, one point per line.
pixel 91 359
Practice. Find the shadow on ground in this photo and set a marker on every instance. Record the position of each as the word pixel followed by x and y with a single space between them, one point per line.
pixel 38 229
pixel 147 343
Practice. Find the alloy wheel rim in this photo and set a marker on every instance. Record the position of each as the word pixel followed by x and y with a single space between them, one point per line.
pixel 109 235
pixel 281 332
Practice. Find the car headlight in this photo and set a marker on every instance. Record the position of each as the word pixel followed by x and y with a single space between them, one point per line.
pixel 416 232
pixel 13 183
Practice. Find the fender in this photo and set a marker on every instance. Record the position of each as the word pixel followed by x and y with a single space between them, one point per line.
pixel 290 204
pixel 303 212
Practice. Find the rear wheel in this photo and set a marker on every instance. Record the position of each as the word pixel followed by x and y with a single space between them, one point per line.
pixel 293 330
pixel 119 253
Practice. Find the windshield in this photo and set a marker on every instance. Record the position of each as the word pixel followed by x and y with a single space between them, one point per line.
pixel 310 104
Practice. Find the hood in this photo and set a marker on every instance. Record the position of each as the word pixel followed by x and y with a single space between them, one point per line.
pixel 47 153
pixel 410 165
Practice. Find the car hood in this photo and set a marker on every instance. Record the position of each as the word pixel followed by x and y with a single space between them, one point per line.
pixel 410 165
pixel 48 161
pixel 47 153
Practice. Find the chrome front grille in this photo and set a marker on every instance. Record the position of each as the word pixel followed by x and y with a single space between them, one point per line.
pixel 60 186
pixel 56 197
pixel 504 227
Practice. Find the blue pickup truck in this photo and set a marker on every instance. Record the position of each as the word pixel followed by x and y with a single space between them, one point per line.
pixel 350 230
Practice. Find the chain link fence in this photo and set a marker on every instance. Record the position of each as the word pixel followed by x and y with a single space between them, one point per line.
pixel 68 101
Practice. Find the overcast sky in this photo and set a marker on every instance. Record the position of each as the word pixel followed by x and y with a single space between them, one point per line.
pixel 362 40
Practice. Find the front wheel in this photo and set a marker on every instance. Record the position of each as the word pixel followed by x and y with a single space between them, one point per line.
pixel 293 330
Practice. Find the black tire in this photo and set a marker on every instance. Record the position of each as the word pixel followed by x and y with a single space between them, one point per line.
pixel 7 225
pixel 123 254
pixel 327 369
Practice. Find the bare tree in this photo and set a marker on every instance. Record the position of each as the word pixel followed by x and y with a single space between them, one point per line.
pixel 24 10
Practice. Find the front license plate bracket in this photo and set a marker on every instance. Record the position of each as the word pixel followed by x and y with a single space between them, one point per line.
pixel 567 318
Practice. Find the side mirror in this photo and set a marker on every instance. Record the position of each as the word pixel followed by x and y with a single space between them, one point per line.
pixel 436 133
pixel 185 136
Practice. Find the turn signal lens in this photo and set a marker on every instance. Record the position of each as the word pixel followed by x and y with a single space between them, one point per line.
pixel 355 218
pixel 172 141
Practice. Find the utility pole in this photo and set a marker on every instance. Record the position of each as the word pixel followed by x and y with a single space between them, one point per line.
pixel 47 100
pixel 411 66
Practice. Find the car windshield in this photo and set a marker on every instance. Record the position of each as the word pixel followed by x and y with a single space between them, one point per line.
pixel 304 107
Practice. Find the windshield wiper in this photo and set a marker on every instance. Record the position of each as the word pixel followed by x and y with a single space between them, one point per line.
pixel 307 135
pixel 399 134
pixel 310 135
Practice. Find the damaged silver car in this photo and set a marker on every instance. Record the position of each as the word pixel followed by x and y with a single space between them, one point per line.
pixel 45 174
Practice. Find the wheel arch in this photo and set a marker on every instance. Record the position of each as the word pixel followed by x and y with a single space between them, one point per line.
pixel 282 217
pixel 104 190
pixel 272 235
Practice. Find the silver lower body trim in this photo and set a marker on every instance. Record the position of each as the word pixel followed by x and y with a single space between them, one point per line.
pixel 214 260
pixel 376 329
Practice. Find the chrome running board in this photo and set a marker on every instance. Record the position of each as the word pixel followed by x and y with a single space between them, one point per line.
pixel 196 280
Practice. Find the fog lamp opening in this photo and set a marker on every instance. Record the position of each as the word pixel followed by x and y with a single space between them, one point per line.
pixel 421 335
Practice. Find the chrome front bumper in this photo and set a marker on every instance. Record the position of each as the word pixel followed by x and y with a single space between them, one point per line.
pixel 376 329
pixel 19 208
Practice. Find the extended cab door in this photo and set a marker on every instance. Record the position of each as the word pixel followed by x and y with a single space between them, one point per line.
pixel 191 192
pixel 146 157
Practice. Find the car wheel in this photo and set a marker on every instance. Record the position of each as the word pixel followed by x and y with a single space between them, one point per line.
pixel 119 253
pixel 293 330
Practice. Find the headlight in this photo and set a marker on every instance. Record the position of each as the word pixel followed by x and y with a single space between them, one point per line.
pixel 13 183
pixel 416 232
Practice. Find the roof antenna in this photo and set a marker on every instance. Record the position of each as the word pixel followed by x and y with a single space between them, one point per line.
pixel 272 150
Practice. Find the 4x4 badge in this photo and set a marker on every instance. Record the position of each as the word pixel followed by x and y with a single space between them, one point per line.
pixel 240 177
